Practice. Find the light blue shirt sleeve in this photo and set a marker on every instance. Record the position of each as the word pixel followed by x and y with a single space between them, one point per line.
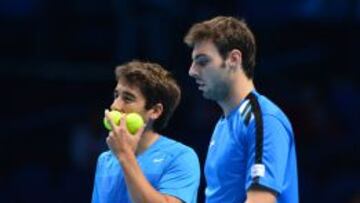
pixel 182 177
pixel 276 146
pixel 95 195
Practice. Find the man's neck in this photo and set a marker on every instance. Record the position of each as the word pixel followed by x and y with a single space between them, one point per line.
pixel 239 89
pixel 146 140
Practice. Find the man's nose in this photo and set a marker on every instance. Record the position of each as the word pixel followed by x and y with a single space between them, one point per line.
pixel 117 105
pixel 193 70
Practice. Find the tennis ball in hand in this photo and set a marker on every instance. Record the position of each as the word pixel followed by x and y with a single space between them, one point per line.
pixel 133 121
pixel 115 116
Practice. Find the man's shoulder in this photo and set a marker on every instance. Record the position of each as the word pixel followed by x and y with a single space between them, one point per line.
pixel 105 156
pixel 175 148
pixel 271 112
pixel 260 108
pixel 268 107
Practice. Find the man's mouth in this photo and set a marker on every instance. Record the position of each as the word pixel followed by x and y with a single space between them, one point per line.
pixel 200 84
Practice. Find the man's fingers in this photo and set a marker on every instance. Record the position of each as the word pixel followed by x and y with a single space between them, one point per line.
pixel 116 130
pixel 108 140
pixel 110 136
pixel 107 115
pixel 123 122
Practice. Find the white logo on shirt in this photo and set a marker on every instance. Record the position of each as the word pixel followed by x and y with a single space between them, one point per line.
pixel 258 170
pixel 158 160
pixel 243 105
pixel 212 143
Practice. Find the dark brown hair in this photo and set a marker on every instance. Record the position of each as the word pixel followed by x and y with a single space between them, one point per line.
pixel 156 84
pixel 227 33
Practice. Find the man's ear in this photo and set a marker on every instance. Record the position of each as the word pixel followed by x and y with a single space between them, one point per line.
pixel 234 59
pixel 156 111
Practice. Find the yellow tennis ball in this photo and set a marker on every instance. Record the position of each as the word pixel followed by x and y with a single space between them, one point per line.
pixel 115 116
pixel 133 122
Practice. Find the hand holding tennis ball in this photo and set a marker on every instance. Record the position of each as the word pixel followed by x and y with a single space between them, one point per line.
pixel 133 121
pixel 115 117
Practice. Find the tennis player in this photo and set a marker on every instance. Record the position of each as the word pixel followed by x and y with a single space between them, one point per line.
pixel 251 156
pixel 148 167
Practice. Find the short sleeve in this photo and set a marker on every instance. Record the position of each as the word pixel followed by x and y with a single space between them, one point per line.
pixel 181 178
pixel 270 172
pixel 96 194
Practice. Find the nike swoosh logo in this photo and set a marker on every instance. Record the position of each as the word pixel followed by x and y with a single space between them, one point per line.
pixel 158 160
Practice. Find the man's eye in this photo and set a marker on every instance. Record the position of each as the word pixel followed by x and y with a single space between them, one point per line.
pixel 116 95
pixel 127 99
pixel 202 62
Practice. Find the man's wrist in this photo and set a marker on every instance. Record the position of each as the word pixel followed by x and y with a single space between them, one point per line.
pixel 125 155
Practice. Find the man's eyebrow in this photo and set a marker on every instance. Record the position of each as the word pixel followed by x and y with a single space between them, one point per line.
pixel 124 93
pixel 196 57
pixel 129 94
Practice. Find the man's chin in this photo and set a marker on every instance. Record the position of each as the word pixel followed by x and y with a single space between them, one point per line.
pixel 206 95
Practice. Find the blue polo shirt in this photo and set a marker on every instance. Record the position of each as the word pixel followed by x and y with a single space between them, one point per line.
pixel 171 168
pixel 252 146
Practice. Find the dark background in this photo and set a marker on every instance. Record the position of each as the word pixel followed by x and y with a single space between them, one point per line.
pixel 57 60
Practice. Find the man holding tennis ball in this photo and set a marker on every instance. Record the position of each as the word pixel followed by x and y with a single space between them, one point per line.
pixel 143 165
pixel 133 121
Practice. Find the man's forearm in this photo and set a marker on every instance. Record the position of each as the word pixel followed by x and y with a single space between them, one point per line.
pixel 260 196
pixel 140 189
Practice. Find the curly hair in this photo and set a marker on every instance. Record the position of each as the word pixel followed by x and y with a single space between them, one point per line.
pixel 227 33
pixel 156 84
